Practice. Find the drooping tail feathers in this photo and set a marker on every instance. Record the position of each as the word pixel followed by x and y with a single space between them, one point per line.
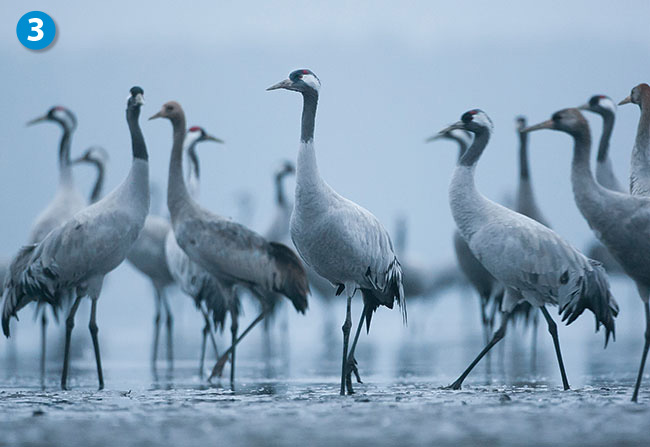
pixel 293 283
pixel 13 291
pixel 392 291
pixel 590 291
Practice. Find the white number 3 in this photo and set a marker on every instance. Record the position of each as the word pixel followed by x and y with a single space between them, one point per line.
pixel 37 28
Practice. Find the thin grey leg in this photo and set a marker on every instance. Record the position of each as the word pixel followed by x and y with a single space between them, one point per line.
pixel 170 328
pixel 635 395
pixel 533 343
pixel 69 324
pixel 218 368
pixel 498 335
pixel 43 344
pixel 94 330
pixel 156 332
pixel 347 324
pixel 552 329
pixel 352 362
pixel 234 327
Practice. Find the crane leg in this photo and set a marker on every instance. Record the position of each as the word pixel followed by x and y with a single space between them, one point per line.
pixel 218 368
pixel 533 343
pixel 69 324
pixel 233 332
pixel 352 366
pixel 267 342
pixel 207 330
pixel 498 335
pixel 644 356
pixel 347 324
pixel 94 330
pixel 156 333
pixel 552 329
pixel 43 345
pixel 170 328
pixel 487 330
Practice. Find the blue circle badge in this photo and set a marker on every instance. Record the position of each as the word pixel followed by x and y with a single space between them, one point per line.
pixel 36 30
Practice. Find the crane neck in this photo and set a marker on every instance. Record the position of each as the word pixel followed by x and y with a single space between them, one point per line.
pixel 65 167
pixel 524 171
pixel 608 127
pixel 280 196
pixel 177 193
pixel 307 175
pixel 193 170
pixel 639 183
pixel 96 193
pixel 138 147
pixel 310 102
pixel 471 155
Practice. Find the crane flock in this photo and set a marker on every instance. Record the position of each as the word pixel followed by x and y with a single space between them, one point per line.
pixel 325 242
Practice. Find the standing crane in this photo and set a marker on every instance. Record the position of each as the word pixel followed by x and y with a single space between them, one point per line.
pixel 528 258
pixel 340 240
pixel 194 280
pixel 233 253
pixel 79 253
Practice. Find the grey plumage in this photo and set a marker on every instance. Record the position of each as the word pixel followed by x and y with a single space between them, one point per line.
pixel 524 255
pixel 230 251
pixel 340 240
pixel 79 253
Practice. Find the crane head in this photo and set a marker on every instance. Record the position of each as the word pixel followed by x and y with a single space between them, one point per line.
pixel 94 154
pixel 169 110
pixel 569 120
pixel 136 98
pixel 57 114
pixel 639 93
pixel 303 81
pixel 199 134
pixel 600 104
pixel 520 123
pixel 474 121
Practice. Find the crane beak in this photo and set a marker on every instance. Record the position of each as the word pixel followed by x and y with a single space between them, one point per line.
pixel 585 106
pixel 157 115
pixel 627 100
pixel 215 139
pixel 433 138
pixel 287 84
pixel 456 125
pixel 548 124
pixel 36 120
pixel 139 99
pixel 77 160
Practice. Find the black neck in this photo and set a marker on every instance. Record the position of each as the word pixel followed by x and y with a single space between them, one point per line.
pixel 608 126
pixel 138 146
pixel 194 158
pixel 471 156
pixel 64 145
pixel 524 173
pixel 310 101
pixel 99 182
pixel 279 189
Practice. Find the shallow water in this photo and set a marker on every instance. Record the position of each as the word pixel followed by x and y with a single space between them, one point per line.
pixel 294 399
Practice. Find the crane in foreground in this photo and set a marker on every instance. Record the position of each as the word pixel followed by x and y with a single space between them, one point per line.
pixel 340 240
pixel 529 259
pixel 79 253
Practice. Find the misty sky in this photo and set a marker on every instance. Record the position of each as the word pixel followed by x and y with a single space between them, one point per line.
pixel 392 73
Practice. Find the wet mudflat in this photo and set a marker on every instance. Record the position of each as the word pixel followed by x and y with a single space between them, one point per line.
pixel 295 401
pixel 406 412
